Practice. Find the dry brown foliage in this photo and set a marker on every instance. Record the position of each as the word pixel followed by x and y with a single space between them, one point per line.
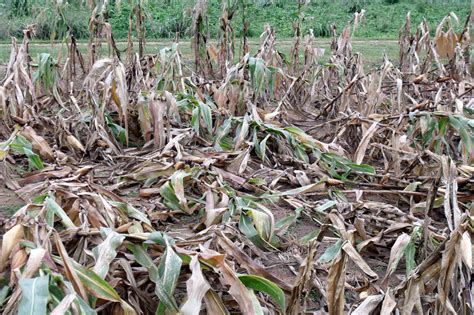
pixel 269 187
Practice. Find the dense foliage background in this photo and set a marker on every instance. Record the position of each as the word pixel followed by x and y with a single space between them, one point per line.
pixel 166 17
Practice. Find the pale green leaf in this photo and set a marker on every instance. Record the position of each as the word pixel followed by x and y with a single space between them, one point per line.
pixel 131 211
pixel 143 259
pixel 105 252
pixel 331 252
pixel 51 205
pixel 34 297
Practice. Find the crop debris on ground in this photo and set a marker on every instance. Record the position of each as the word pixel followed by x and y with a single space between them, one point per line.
pixel 239 183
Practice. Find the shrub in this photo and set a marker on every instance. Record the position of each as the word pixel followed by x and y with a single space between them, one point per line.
pixel 48 24
pixel 166 18
pixel 322 30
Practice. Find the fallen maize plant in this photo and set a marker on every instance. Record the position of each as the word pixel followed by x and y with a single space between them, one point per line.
pixel 253 183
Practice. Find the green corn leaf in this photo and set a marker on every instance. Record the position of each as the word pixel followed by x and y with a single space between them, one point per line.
pixel 309 237
pixel 261 284
pixel 262 223
pixel 173 191
pixel 99 288
pixel 463 129
pixel 285 223
pixel 143 259
pixel 442 126
pixel 428 135
pixel 331 252
pixel 301 154
pixel 169 270
pixel 302 136
pixel 39 199
pixel 20 143
pixel 410 249
pixel 62 286
pixel 242 132
pixel 141 256
pixel 206 115
pixel 106 251
pixel 255 141
pixel 177 182
pixel 326 205
pixel 131 211
pixel 96 285
pixel 221 133
pixel 248 229
pixel 257 181
pixel 4 294
pixel 45 75
pixel 22 146
pixel 261 148
pixel 52 206
pixel 34 159
pixel 49 218
pixel 160 238
pixel 34 297
pixel 260 75
pixel 362 168
pixel 119 132
pixel 195 120
pixel 84 308
pixel 256 303
pixel 170 199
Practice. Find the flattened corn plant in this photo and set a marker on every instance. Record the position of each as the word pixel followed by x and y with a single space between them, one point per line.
pixel 263 184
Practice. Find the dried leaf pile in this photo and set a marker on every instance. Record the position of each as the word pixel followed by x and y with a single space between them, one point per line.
pixel 240 183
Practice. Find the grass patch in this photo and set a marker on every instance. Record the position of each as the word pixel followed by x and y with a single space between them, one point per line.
pixel 371 50
pixel 166 18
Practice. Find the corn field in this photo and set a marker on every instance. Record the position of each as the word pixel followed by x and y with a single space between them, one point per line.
pixel 239 183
